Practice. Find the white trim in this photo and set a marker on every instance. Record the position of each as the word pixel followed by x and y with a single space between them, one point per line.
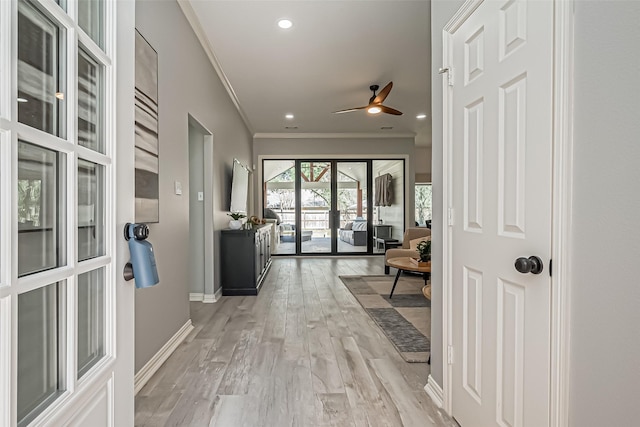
pixel 563 70
pixel 5 361
pixel 196 296
pixel 447 303
pixel 209 298
pixel 205 298
pixel 209 227
pixel 193 20
pixel 434 391
pixel 561 281
pixel 152 366
pixel 344 135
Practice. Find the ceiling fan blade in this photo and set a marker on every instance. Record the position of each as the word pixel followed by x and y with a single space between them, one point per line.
pixel 379 99
pixel 349 110
pixel 390 110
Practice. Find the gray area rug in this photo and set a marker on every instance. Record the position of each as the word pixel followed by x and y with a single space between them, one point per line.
pixel 404 319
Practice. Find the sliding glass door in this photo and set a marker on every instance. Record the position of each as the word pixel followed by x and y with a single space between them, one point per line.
pixel 322 206
pixel 316 208
pixel 351 198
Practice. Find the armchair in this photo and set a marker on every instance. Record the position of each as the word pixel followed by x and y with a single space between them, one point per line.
pixel 275 233
pixel 406 251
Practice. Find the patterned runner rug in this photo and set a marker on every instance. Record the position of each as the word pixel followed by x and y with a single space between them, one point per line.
pixel 405 319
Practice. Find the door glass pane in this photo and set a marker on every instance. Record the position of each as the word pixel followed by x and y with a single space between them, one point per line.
pixel 90 13
pixel 90 98
pixel 315 206
pixel 280 198
pixel 90 210
pixel 41 244
pixel 352 206
pixel 91 345
pixel 39 350
pixel 41 72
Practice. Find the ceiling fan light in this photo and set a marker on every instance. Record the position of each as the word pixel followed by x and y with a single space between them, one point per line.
pixel 374 110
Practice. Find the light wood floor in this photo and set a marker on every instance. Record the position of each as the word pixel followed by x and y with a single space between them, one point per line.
pixel 302 353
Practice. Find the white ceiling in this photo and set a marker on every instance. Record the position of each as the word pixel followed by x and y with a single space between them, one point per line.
pixel 326 62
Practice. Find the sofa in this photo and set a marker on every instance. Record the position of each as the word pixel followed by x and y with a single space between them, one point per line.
pixel 354 233
pixel 410 234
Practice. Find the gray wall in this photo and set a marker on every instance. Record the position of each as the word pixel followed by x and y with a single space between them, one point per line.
pixel 188 84
pixel 423 164
pixel 441 12
pixel 605 301
pixel 289 148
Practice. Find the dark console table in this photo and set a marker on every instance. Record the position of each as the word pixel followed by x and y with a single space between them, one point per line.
pixel 245 260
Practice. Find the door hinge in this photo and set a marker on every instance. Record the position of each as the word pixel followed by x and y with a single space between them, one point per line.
pixel 450 355
pixel 450 217
pixel 449 72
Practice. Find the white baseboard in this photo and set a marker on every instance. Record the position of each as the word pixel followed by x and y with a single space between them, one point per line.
pixel 150 368
pixel 205 298
pixel 434 391
pixel 196 296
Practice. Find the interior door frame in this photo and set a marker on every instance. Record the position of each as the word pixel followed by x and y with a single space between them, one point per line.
pixel 562 171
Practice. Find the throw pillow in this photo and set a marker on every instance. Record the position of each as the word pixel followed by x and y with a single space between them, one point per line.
pixel 348 226
pixel 360 226
pixel 413 244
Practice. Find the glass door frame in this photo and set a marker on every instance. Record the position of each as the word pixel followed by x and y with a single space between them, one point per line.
pixel 334 220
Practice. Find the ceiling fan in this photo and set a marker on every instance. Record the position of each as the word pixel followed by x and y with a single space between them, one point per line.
pixel 375 102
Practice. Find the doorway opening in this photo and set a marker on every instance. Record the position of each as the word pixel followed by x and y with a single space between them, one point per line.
pixel 201 249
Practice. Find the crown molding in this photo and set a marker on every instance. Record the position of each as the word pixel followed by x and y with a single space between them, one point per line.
pixel 345 135
pixel 193 20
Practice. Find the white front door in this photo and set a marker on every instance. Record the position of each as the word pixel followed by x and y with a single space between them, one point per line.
pixel 66 314
pixel 501 140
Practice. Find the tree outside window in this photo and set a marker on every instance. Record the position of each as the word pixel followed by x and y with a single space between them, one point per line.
pixel 423 203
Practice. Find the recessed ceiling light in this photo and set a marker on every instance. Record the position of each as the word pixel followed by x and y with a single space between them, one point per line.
pixel 21 100
pixel 421 116
pixel 285 24
pixel 374 110
pixel 289 116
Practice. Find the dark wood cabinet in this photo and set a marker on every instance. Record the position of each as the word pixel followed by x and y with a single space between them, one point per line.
pixel 245 257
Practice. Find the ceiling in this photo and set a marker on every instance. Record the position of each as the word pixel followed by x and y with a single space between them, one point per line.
pixel 324 63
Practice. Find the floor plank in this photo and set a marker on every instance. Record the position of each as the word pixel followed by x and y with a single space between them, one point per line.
pixel 303 353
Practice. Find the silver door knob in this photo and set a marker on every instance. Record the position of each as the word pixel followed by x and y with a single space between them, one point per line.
pixel 532 265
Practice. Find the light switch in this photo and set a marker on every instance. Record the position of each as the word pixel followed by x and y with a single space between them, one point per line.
pixel 200 196
pixel 178 187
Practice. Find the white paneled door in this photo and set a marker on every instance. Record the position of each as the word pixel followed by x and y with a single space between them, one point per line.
pixel 500 87
pixel 66 315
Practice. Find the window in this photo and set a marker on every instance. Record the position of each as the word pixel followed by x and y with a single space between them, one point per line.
pixel 423 204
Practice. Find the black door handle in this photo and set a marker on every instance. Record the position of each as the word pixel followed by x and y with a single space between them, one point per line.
pixel 532 265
